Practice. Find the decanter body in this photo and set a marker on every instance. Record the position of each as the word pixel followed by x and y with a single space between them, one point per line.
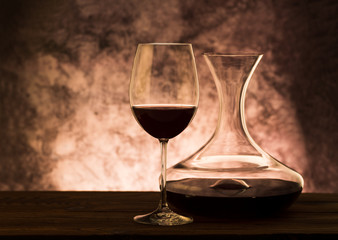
pixel 231 174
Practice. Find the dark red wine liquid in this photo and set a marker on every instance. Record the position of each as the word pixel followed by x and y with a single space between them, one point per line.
pixel 164 121
pixel 263 197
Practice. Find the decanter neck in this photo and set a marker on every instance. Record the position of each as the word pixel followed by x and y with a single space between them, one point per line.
pixel 229 118
pixel 232 74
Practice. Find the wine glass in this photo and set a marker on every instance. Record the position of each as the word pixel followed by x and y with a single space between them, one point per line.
pixel 164 96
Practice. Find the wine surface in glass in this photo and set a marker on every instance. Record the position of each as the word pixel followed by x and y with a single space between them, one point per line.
pixel 164 121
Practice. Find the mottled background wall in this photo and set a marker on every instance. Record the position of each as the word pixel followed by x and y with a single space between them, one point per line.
pixel 65 122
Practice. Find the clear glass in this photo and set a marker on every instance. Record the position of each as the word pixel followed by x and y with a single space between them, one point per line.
pixel 164 94
pixel 231 173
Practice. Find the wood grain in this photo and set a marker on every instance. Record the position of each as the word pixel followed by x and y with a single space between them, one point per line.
pixel 108 215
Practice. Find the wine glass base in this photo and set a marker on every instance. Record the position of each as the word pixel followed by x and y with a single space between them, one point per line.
pixel 164 217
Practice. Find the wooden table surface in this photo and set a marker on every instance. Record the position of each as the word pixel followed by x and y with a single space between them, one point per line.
pixel 108 215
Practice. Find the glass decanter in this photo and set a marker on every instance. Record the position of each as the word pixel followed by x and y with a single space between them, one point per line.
pixel 231 174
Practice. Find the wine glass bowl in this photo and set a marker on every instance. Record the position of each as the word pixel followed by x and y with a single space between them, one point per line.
pixel 164 95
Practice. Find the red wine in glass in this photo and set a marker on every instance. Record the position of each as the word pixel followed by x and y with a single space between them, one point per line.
pixel 164 121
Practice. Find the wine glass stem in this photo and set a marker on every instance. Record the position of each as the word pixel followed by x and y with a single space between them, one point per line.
pixel 163 180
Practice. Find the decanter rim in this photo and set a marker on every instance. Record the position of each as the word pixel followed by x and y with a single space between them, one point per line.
pixel 165 44
pixel 244 54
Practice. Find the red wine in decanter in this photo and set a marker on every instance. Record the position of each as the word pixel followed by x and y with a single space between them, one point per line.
pixel 232 197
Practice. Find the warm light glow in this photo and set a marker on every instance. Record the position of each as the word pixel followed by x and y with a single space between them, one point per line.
pixel 66 122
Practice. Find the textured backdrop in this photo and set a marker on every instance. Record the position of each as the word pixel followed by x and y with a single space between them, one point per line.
pixel 65 120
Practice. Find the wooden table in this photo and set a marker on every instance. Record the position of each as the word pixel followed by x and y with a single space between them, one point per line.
pixel 108 215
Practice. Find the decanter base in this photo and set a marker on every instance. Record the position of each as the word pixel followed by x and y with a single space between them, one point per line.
pixel 245 197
